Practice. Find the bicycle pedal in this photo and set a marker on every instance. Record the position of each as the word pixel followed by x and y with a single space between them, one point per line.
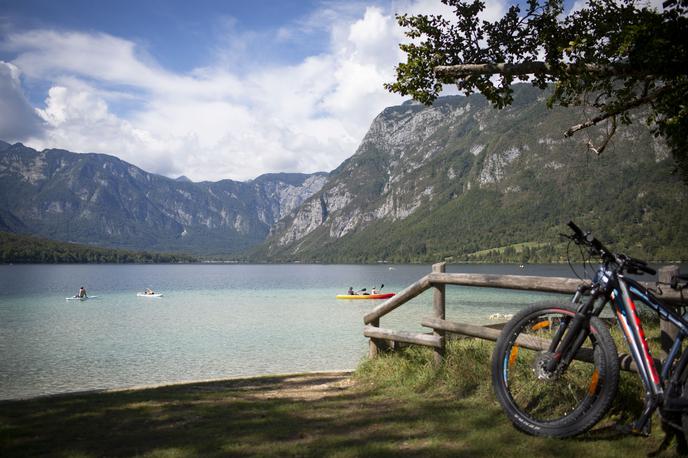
pixel 633 430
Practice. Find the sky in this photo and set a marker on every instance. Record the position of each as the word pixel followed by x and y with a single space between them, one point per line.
pixel 209 89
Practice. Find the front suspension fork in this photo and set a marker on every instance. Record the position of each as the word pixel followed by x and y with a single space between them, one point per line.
pixel 573 339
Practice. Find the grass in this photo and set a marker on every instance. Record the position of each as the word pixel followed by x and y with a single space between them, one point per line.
pixel 396 405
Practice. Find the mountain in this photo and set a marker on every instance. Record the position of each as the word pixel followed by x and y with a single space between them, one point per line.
pixel 99 199
pixel 458 180
pixel 462 181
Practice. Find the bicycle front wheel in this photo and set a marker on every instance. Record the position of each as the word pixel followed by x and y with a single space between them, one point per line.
pixel 560 402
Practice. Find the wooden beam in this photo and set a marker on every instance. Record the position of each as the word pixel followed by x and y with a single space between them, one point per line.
pixel 438 308
pixel 668 331
pixel 532 343
pixel 522 282
pixel 393 302
pixel 428 340
pixel 471 330
pixel 373 344
pixel 534 283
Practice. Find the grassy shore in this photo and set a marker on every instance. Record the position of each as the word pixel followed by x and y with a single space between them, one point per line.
pixel 397 405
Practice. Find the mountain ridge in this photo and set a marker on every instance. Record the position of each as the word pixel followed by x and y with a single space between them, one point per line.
pixel 459 177
pixel 97 198
pixel 458 181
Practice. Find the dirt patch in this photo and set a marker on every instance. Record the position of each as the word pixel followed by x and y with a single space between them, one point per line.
pixel 304 387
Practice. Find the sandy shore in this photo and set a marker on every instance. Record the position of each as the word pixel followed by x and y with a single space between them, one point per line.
pixel 311 383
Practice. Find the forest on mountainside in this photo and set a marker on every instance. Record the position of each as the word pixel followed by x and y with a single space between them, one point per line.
pixel 19 249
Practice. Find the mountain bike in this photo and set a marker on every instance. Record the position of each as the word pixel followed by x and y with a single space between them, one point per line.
pixel 555 367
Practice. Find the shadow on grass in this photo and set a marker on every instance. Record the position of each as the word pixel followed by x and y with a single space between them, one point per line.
pixel 310 415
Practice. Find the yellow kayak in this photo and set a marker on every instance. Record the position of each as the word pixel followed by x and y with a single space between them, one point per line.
pixel 365 296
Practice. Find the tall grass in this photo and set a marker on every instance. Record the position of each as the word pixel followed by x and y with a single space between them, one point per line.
pixel 465 370
pixel 465 373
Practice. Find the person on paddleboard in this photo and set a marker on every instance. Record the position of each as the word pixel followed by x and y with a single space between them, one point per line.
pixel 82 293
pixel 149 291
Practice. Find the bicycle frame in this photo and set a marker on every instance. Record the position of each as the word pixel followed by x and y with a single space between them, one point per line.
pixel 624 292
pixel 665 383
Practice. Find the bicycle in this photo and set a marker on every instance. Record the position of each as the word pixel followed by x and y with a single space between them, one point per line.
pixel 555 367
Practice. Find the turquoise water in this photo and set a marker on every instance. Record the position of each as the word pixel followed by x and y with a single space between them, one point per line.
pixel 214 321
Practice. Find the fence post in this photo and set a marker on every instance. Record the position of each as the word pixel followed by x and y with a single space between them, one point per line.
pixel 667 330
pixel 438 309
pixel 373 347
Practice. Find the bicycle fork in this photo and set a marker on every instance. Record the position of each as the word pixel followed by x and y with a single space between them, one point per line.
pixel 627 317
pixel 573 339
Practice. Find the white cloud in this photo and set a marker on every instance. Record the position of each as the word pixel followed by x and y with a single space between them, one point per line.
pixel 218 122
pixel 18 120
pixel 81 121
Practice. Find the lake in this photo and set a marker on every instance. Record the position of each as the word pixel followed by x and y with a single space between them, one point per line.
pixel 214 320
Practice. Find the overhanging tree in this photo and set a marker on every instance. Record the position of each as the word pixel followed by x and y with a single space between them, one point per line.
pixel 612 56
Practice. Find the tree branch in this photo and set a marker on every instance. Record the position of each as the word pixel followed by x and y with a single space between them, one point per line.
pixel 623 108
pixel 608 137
pixel 524 68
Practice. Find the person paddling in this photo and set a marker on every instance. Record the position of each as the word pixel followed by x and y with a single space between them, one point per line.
pixel 82 293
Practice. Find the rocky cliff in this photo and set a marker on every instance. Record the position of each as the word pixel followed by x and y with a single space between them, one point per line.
pixel 461 177
pixel 99 199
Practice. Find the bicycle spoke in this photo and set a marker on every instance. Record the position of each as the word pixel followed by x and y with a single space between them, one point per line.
pixel 537 393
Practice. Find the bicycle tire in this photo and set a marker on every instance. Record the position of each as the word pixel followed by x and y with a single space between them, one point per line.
pixel 553 405
pixel 681 418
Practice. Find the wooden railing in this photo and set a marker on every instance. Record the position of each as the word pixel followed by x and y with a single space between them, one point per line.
pixel 437 281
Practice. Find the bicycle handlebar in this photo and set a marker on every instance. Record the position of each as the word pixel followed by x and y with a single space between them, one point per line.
pixel 631 265
pixel 577 232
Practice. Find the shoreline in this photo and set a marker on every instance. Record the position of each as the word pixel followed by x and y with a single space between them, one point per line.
pixel 153 386
pixel 316 415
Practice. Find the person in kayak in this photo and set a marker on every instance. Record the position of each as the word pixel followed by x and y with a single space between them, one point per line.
pixel 361 292
pixel 82 293
pixel 374 290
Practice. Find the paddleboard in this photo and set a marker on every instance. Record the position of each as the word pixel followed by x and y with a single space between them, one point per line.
pixel 76 298
pixel 149 295
pixel 365 296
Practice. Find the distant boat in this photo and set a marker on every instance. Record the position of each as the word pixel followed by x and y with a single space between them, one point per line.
pixel 365 296
pixel 149 294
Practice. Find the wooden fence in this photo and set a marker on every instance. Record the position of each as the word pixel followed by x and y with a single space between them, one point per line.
pixel 438 279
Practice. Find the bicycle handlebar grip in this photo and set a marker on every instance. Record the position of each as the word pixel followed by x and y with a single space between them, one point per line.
pixel 576 230
pixel 648 270
pixel 642 266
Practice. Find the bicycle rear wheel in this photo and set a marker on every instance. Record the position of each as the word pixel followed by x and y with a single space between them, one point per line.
pixel 553 403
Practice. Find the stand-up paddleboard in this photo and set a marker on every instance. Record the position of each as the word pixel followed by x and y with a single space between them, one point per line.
pixel 149 295
pixel 77 298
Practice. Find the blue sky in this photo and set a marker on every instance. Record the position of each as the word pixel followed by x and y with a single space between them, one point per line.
pixel 208 89
pixel 181 34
